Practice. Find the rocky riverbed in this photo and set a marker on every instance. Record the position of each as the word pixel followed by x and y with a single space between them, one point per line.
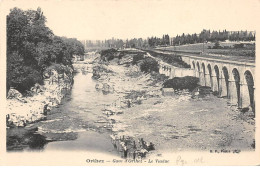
pixel 119 109
pixel 179 122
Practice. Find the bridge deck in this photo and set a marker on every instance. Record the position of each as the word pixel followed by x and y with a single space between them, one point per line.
pixel 231 59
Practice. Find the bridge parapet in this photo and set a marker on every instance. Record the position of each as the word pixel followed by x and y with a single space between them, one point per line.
pixel 173 71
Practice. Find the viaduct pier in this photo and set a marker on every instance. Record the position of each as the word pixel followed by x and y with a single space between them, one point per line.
pixel 231 78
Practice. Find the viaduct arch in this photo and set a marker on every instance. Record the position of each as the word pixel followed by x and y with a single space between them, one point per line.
pixel 230 79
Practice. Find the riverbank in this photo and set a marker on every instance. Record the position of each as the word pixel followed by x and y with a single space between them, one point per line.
pixel 23 110
pixel 121 110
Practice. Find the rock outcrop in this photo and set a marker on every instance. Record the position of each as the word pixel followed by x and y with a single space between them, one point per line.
pixel 39 100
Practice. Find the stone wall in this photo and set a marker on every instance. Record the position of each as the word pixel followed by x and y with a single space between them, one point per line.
pixel 172 71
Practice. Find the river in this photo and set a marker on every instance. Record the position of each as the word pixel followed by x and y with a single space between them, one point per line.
pixel 80 113
pixel 78 123
pixel 175 123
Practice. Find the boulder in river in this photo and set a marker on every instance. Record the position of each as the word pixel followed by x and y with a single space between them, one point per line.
pixel 99 86
pixel 106 88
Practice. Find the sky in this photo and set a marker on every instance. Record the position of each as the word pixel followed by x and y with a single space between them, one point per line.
pixel 104 19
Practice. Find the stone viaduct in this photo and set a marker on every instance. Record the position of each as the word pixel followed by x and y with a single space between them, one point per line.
pixel 230 79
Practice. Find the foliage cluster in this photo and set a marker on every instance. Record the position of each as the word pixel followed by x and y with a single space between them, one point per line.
pixel 60 68
pixel 213 36
pixel 108 54
pixel 172 59
pixel 32 48
pixel 138 57
pixel 180 83
pixel 154 41
pixel 149 65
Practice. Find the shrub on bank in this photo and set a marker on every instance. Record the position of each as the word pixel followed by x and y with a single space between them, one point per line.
pixel 149 65
pixel 23 78
pixel 187 82
pixel 108 54
pixel 137 58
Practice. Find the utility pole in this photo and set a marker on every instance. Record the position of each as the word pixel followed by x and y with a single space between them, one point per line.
pixel 203 41
pixel 203 45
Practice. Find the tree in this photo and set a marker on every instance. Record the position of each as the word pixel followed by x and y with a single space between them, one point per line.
pixel 32 47
pixel 17 23
pixel 217 45
pixel 167 39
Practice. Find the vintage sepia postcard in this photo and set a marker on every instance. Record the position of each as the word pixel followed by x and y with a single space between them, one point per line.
pixel 129 82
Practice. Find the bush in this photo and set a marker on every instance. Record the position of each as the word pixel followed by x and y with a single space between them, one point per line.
pixel 217 45
pixel 107 55
pixel 187 82
pixel 137 58
pixel 149 65
pixel 23 78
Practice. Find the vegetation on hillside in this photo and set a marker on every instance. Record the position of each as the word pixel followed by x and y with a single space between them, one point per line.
pixel 213 36
pixel 204 36
pixel 32 48
pixel 146 64
pixel 172 59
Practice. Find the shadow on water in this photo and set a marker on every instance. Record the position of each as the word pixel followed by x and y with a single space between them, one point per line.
pixel 19 139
